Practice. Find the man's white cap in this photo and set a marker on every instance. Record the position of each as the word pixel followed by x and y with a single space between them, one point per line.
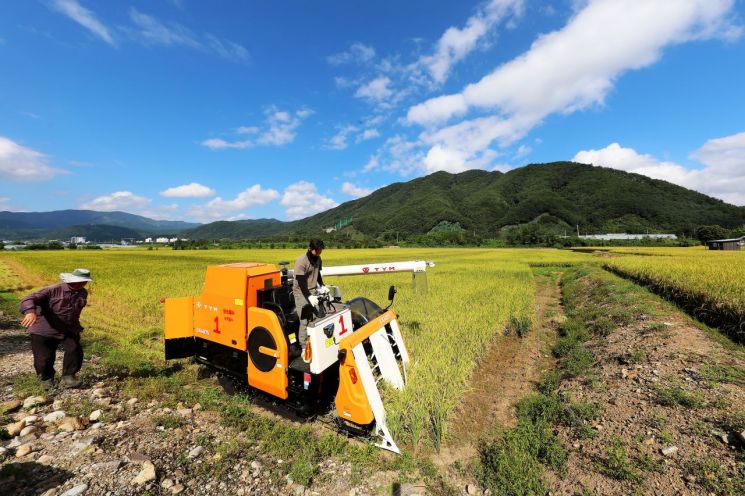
pixel 77 275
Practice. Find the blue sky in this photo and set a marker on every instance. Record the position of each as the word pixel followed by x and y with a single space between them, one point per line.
pixel 202 111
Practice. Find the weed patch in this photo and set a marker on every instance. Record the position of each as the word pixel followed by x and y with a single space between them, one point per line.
pixel 729 374
pixel 714 478
pixel 27 384
pixel 617 464
pixel 674 395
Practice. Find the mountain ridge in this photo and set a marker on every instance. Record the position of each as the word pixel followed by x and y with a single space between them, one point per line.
pixel 36 225
pixel 560 196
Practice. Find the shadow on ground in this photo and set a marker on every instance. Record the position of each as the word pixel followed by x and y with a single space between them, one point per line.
pixel 30 478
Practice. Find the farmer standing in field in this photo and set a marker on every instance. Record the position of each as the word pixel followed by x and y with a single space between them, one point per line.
pixel 52 316
pixel 306 286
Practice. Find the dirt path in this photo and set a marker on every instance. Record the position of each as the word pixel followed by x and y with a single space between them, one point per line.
pixel 675 420
pixel 509 371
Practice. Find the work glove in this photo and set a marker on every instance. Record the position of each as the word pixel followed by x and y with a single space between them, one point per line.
pixel 313 300
pixel 322 290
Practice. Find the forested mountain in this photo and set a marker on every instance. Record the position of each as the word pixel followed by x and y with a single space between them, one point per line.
pixel 559 196
pixel 30 225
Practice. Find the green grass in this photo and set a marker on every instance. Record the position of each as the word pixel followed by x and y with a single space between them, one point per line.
pixel 729 374
pixel 617 464
pixel 514 462
pixel 649 463
pixel 674 395
pixel 716 479
pixel 79 407
pixel 666 437
pixel 27 384
pixel 519 325
pixel 168 420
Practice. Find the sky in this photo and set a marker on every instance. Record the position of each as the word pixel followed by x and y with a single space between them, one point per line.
pixel 225 110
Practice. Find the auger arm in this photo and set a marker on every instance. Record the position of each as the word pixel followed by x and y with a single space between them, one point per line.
pixel 377 268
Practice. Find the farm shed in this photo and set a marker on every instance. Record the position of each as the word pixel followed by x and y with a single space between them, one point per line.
pixel 726 244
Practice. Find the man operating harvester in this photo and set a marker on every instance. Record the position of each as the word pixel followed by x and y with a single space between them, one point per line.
pixel 52 316
pixel 307 284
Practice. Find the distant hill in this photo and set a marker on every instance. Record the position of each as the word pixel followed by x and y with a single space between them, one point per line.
pixel 239 229
pixel 95 233
pixel 31 225
pixel 559 195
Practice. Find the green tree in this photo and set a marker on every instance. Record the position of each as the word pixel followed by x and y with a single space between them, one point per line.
pixel 707 233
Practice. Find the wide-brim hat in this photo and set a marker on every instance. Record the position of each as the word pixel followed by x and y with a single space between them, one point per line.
pixel 77 275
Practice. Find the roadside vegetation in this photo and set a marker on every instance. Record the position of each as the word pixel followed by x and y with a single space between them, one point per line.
pixel 565 421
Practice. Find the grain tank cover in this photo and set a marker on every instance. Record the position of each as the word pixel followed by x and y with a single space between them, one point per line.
pixel 220 311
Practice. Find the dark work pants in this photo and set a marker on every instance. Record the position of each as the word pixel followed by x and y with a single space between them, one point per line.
pixel 45 351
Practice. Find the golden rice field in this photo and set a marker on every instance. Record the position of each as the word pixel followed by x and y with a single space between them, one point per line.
pixel 709 284
pixel 472 295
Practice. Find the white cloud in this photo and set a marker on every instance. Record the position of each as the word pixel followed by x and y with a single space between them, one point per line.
pixel 162 212
pixel 397 155
pixel 575 67
pixel 84 17
pixel 18 163
pixel 219 209
pixel 5 204
pixel 150 30
pixel 522 151
pixel 355 191
pixel 627 159
pixel 302 200
pixel 247 130
pixel 119 200
pixel 368 134
pixel 227 49
pixel 502 167
pixel 279 129
pixel 727 154
pixel 357 53
pixel 282 126
pixel 722 175
pixel 191 190
pixel 376 90
pixel 565 71
pixel 339 140
pixel 456 43
pixel 153 31
pixel 221 144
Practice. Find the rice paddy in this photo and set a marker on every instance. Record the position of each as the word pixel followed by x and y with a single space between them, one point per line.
pixel 708 284
pixel 473 295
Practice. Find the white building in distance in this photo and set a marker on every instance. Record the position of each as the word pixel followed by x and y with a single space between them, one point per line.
pixel 624 236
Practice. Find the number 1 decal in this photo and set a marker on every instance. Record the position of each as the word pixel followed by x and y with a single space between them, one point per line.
pixel 217 325
pixel 343 328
